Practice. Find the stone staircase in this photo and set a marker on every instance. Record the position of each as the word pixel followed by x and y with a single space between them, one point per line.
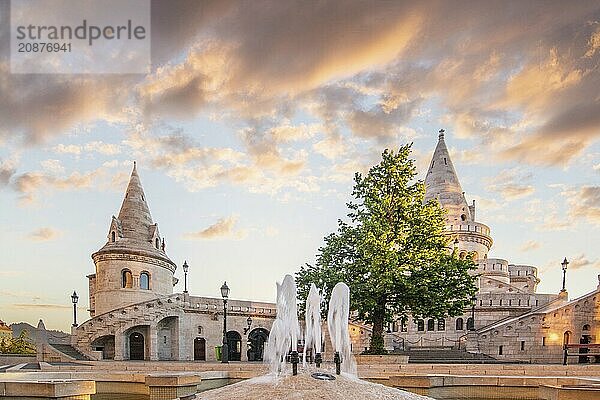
pixel 445 356
pixel 70 351
pixel 125 318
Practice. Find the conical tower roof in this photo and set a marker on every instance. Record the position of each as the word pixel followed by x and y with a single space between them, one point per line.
pixel 442 183
pixel 133 231
pixel 135 215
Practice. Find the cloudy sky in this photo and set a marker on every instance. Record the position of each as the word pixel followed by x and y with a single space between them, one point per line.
pixel 256 114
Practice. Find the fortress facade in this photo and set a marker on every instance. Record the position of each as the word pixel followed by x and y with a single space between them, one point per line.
pixel 135 314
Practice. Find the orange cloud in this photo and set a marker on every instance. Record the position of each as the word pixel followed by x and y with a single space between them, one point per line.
pixel 584 203
pixel 222 229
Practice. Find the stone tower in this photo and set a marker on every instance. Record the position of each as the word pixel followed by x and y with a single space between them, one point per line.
pixel 442 183
pixel 132 266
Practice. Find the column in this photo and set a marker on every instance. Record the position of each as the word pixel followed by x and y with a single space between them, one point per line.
pixel 119 345
pixel 244 345
pixel 153 342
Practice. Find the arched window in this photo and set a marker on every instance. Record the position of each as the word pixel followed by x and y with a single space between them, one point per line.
pixel 441 324
pixel 470 324
pixel 460 324
pixel 430 324
pixel 200 330
pixel 586 327
pixel 420 325
pixel 157 243
pixel 113 236
pixel 145 281
pixel 126 279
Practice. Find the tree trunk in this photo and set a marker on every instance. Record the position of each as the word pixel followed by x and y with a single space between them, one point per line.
pixel 377 346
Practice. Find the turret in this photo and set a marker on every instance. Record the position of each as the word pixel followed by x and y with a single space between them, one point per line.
pixel 132 266
pixel 442 184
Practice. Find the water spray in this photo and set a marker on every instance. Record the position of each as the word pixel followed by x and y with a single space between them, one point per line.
pixel 337 323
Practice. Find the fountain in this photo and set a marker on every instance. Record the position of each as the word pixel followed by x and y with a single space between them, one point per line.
pixel 315 382
pixel 312 326
pixel 337 323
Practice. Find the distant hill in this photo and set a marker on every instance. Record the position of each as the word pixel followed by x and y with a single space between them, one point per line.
pixel 40 333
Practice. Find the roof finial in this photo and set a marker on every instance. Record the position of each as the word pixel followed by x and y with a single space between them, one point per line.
pixel 441 135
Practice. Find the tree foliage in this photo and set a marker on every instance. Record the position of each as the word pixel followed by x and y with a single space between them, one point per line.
pixel 391 251
pixel 19 345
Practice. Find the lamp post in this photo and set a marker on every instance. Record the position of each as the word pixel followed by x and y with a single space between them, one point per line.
pixel 186 267
pixel 249 323
pixel 564 264
pixel 74 300
pixel 225 348
pixel 474 301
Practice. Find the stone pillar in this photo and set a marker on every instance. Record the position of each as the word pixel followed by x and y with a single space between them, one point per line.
pixel 472 344
pixel 186 341
pixel 244 345
pixel 153 342
pixel 119 345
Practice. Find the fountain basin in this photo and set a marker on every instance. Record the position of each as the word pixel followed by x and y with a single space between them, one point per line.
pixel 304 387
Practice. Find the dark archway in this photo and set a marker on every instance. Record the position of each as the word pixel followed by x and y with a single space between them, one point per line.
pixel 199 349
pixel 234 343
pixel 256 344
pixel 470 324
pixel 105 344
pixel 136 346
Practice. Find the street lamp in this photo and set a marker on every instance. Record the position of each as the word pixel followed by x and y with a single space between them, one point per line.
pixel 473 300
pixel 74 300
pixel 186 267
pixel 249 323
pixel 225 348
pixel 564 264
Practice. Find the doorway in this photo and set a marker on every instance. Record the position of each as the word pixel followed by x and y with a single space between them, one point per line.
pixel 136 346
pixel 199 349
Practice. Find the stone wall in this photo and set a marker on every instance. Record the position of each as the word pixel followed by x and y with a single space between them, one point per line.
pixel 9 359
pixel 109 293
pixel 539 336
pixel 170 325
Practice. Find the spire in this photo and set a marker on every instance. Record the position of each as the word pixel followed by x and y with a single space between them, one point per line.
pixel 135 215
pixel 442 183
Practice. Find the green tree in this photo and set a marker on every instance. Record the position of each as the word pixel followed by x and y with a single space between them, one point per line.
pixel 19 345
pixel 392 252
